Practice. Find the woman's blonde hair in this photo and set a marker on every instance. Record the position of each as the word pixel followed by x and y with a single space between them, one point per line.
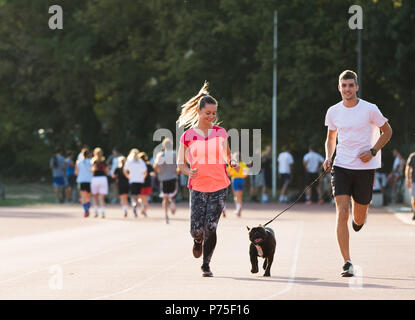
pixel 143 156
pixel 121 161
pixel 133 156
pixel 98 155
pixel 189 116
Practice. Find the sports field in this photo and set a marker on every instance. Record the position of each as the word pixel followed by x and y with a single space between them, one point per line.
pixel 51 252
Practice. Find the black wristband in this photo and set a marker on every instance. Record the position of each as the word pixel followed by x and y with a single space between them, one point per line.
pixel 373 152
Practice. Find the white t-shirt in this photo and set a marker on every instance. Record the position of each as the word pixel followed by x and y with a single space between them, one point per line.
pixel 137 170
pixel 357 131
pixel 285 159
pixel 313 160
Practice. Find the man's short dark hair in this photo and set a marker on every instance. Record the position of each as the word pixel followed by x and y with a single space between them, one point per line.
pixel 348 74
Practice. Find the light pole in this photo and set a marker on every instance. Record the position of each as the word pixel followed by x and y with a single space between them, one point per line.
pixel 359 60
pixel 274 113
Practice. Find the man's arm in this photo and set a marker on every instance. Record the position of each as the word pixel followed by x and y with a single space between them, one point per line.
pixel 382 141
pixel 330 147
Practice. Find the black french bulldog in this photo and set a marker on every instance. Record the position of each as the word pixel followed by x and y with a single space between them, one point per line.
pixel 263 245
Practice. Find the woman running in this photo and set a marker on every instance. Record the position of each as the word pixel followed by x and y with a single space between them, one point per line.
pixel 205 148
pixel 99 181
pixel 83 171
pixel 146 190
pixel 135 170
pixel 122 184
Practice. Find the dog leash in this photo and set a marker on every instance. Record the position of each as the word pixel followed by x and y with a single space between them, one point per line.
pixel 299 197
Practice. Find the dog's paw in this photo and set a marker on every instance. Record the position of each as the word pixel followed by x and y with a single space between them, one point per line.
pixel 267 274
pixel 254 270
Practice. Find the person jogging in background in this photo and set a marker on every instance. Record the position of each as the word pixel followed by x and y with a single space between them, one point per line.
pixel 58 166
pixel 410 179
pixel 238 183
pixel 122 184
pixel 113 163
pixel 84 176
pixel 135 170
pixel 165 166
pixel 203 155
pixel 285 170
pixel 355 124
pixel 311 162
pixel 147 189
pixel 99 181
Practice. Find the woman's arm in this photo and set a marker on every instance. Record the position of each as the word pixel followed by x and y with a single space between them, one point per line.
pixel 228 156
pixel 182 163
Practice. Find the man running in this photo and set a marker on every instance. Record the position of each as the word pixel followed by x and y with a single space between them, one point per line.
pixel 355 123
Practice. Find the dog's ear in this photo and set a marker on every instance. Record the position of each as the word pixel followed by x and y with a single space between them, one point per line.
pixel 248 228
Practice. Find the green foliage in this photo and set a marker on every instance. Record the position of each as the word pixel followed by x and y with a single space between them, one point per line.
pixel 121 69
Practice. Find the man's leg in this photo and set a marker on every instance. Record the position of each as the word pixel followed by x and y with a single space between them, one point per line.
pixel 342 230
pixel 359 212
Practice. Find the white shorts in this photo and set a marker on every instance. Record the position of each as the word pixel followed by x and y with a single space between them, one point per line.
pixel 99 185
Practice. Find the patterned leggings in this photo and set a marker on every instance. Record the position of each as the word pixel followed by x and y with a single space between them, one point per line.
pixel 206 209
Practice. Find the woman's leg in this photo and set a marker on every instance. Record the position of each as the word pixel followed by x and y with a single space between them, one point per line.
pixel 102 204
pixel 95 203
pixel 215 204
pixel 238 202
pixel 124 203
pixel 144 201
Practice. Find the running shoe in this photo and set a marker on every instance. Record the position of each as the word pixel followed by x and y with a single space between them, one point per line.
pixel 197 249
pixel 135 211
pixel 206 270
pixel 86 214
pixel 356 227
pixel 347 270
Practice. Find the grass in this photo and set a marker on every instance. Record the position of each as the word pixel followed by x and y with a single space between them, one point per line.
pixel 18 194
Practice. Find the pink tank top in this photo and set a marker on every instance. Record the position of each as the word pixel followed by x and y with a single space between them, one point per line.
pixel 207 155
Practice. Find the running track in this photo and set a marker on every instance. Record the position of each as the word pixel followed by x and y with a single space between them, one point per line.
pixel 51 252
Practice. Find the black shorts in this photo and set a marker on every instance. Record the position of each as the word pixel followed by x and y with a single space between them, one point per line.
pixel 310 177
pixel 355 183
pixel 123 188
pixel 168 186
pixel 285 178
pixel 85 186
pixel 135 188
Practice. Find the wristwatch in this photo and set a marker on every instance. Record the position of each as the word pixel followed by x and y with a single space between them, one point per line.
pixel 373 152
